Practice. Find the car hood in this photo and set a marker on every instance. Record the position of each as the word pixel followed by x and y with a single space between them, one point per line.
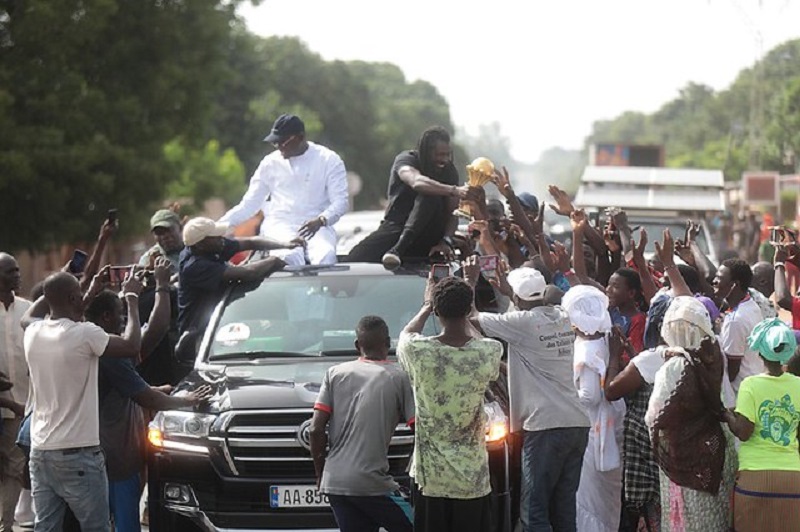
pixel 261 384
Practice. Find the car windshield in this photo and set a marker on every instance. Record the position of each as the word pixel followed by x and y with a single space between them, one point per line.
pixel 313 315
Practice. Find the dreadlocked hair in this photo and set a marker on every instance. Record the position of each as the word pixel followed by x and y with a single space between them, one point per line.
pixel 452 298
pixel 426 145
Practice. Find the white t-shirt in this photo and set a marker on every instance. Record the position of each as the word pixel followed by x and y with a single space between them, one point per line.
pixel 736 327
pixel 540 360
pixel 63 357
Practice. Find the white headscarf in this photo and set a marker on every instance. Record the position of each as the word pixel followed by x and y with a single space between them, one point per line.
pixel 686 323
pixel 588 309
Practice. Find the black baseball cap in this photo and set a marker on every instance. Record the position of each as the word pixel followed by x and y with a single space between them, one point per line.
pixel 284 127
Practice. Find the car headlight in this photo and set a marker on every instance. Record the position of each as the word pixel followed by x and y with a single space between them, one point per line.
pixel 496 423
pixel 168 429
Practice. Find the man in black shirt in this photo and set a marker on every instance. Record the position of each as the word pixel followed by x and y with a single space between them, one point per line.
pixel 423 193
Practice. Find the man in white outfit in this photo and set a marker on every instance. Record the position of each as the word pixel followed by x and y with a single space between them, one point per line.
pixel 302 188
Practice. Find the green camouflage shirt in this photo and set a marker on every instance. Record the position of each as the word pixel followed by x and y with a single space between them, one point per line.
pixel 450 458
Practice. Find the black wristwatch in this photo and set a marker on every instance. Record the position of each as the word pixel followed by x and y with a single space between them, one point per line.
pixel 449 241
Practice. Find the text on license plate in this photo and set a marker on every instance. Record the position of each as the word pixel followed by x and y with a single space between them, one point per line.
pixel 297 497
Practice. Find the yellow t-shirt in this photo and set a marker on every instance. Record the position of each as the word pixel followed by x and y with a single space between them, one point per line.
pixel 773 405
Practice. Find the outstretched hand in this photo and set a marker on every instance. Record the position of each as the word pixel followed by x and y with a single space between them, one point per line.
pixel 638 250
pixel 199 395
pixel 503 182
pixel 310 228
pixel 666 250
pixel 563 204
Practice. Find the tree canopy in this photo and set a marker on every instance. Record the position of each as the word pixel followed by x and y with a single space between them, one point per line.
pixel 128 103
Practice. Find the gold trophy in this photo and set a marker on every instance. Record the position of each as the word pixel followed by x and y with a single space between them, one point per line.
pixel 479 172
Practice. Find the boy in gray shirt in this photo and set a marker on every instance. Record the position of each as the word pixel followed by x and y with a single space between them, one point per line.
pixel 361 402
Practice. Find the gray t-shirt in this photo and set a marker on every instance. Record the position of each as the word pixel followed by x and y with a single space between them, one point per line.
pixel 366 400
pixel 540 357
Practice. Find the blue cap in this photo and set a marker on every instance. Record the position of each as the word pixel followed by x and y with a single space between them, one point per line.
pixel 284 127
pixel 529 201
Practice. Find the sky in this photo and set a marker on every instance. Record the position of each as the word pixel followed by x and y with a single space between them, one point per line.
pixel 545 71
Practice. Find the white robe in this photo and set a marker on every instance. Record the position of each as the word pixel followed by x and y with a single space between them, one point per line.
pixel 599 497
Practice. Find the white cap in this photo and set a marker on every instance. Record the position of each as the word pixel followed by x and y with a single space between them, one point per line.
pixel 527 283
pixel 197 229
pixel 588 309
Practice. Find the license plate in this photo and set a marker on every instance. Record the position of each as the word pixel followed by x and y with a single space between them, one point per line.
pixel 297 497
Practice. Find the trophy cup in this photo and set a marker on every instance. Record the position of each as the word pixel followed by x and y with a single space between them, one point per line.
pixel 479 172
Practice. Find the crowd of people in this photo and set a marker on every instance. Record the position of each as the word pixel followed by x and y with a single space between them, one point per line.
pixel 645 393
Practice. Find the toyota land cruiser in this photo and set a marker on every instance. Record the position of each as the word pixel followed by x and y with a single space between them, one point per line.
pixel 242 462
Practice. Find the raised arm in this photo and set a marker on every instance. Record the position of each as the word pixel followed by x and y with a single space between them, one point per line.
pixel 783 295
pixel 38 311
pixel 649 287
pixel 128 345
pixel 503 182
pixel 666 254
pixel 159 321
pixel 417 323
pixel 578 220
pixel 93 263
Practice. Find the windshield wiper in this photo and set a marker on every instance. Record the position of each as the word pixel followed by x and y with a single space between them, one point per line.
pixel 257 355
pixel 345 352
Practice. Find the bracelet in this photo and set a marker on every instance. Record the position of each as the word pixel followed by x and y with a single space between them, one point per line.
pixel 131 294
pixel 568 273
pixel 162 289
pixel 671 267
pixel 781 264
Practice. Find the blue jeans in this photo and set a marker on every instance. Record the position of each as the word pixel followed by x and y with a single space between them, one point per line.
pixel 123 496
pixel 74 477
pixel 551 472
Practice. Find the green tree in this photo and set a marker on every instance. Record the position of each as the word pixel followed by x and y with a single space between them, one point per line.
pixel 203 174
pixel 90 90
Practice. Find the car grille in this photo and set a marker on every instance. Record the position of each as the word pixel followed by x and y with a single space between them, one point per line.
pixel 266 444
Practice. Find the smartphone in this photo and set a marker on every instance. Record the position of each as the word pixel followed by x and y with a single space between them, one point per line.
pixel 78 261
pixel 440 271
pixel 119 274
pixel 112 216
pixel 488 264
pixel 778 236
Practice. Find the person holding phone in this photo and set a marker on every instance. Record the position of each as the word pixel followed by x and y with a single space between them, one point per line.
pixel 450 465
pixel 62 351
pixel 740 315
